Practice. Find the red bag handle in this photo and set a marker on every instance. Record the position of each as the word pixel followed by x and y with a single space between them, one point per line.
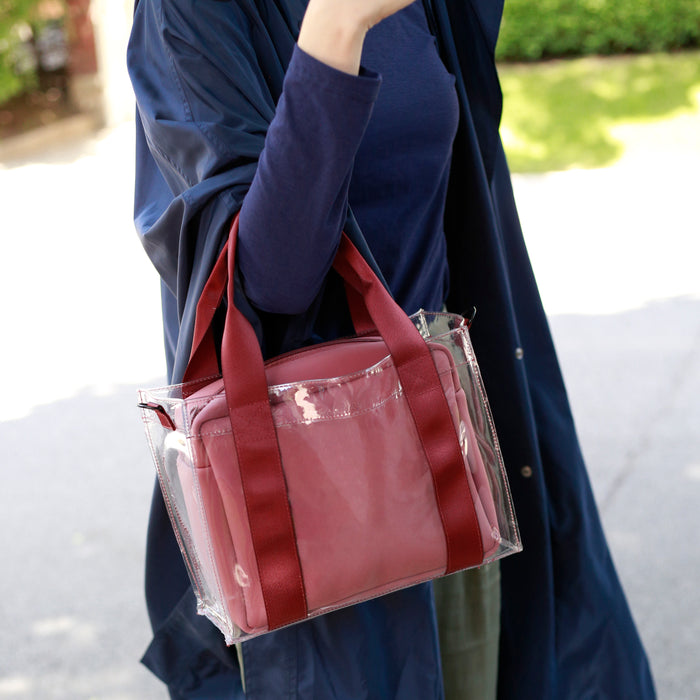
pixel 243 371
pixel 203 361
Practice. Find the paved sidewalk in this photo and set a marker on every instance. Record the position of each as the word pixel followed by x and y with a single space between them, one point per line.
pixel 616 252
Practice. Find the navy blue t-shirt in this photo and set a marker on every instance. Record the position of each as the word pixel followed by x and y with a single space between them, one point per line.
pixel 380 141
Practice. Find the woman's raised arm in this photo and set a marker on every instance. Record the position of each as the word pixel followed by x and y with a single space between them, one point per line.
pixel 333 31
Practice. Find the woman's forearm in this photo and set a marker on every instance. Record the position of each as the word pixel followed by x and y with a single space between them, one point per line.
pixel 333 35
pixel 333 31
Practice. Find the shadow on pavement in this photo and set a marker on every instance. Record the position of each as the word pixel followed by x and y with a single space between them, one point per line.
pixel 634 381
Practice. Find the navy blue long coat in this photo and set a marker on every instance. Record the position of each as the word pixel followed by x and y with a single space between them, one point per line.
pixel 207 75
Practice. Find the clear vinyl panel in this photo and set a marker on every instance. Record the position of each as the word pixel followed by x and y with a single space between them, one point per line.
pixel 167 434
pixel 360 490
pixel 451 331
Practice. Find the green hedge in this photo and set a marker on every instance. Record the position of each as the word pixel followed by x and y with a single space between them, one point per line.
pixel 550 28
pixel 13 13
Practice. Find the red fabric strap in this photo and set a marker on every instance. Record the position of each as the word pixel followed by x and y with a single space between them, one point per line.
pixel 361 320
pixel 259 460
pixel 423 391
pixel 202 362
pixel 255 440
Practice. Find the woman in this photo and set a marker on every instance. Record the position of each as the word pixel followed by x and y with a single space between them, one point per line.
pixel 410 165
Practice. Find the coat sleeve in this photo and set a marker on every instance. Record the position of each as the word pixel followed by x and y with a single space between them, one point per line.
pixel 209 86
pixel 205 92
pixel 204 104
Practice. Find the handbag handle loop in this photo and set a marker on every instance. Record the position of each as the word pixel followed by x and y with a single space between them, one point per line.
pixel 259 460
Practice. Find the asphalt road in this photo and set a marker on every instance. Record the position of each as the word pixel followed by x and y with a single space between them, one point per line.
pixel 616 253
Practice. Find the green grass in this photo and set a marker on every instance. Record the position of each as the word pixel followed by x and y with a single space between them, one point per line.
pixel 560 114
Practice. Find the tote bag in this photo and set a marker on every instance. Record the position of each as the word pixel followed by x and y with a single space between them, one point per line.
pixel 332 474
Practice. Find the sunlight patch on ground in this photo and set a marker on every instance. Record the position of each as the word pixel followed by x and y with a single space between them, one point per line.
pixel 15 686
pixel 65 626
pixel 680 133
pixel 89 317
pixel 618 238
pixel 693 472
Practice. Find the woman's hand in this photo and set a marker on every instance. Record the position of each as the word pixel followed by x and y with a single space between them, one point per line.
pixel 333 31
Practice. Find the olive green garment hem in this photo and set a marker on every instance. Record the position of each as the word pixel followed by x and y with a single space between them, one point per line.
pixel 468 606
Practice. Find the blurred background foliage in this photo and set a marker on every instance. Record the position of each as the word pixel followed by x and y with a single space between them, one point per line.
pixel 14 26
pixel 556 28
pixel 21 24
pixel 558 114
pixel 561 114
